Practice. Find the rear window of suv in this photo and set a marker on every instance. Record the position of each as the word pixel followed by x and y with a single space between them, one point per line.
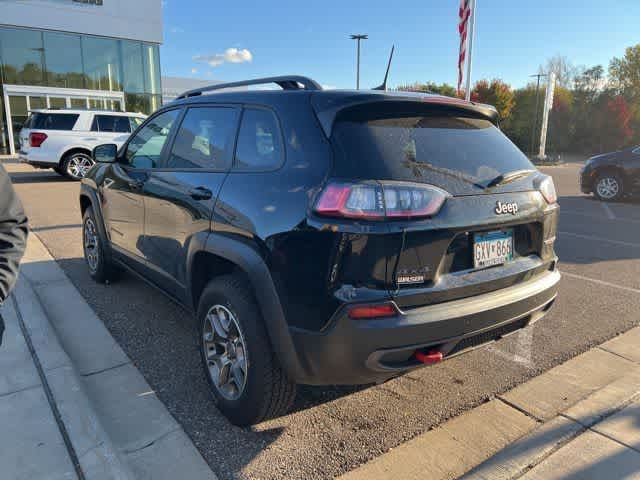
pixel 418 143
pixel 52 121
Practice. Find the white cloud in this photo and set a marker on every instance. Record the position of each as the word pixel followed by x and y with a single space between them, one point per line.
pixel 194 71
pixel 230 55
pixel 328 87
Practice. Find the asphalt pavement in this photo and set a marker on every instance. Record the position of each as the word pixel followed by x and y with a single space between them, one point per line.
pixel 333 430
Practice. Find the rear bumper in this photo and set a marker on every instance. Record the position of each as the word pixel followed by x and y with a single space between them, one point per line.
pixel 368 351
pixel 37 159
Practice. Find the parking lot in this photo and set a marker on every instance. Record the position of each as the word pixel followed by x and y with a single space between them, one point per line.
pixel 332 430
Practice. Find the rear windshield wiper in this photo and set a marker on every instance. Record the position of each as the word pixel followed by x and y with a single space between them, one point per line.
pixel 507 177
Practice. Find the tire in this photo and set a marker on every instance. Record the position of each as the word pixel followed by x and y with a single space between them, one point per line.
pixel 76 165
pixel 96 254
pixel 608 187
pixel 58 169
pixel 264 391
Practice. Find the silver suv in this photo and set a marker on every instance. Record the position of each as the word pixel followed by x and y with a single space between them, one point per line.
pixel 64 139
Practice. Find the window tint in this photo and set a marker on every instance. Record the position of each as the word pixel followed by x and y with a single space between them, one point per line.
pixel 259 144
pixel 205 139
pixel 53 121
pixel 144 149
pixel 417 143
pixel 135 122
pixel 110 123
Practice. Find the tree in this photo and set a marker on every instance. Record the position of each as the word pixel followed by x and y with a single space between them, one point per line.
pixel 496 93
pixel 519 125
pixel 560 130
pixel 624 74
pixel 560 65
pixel 430 87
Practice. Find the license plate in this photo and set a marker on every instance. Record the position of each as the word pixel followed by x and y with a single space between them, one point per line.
pixel 492 248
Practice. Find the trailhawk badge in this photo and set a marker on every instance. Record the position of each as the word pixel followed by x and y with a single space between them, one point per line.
pixel 504 208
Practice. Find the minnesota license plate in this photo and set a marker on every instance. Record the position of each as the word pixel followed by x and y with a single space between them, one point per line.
pixel 492 248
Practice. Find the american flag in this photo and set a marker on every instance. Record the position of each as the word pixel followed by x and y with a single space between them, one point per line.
pixel 463 14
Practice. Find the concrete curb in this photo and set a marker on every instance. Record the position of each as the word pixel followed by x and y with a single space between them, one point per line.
pixel 124 427
pixel 96 454
pixel 504 438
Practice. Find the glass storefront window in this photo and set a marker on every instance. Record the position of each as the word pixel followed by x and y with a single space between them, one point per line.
pixel 151 58
pixel 4 140
pixel 102 63
pixel 80 103
pixel 63 58
pixel 133 67
pixel 21 52
pixel 37 102
pixel 137 103
pixel 57 102
pixel 19 114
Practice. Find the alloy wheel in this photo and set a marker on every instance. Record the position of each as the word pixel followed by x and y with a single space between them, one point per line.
pixel 225 352
pixel 79 165
pixel 608 187
pixel 91 245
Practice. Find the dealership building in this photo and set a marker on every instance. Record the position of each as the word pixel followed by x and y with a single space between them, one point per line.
pixel 101 54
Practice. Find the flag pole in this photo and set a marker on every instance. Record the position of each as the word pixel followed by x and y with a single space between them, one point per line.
pixel 472 30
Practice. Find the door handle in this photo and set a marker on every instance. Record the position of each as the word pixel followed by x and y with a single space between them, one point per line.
pixel 201 193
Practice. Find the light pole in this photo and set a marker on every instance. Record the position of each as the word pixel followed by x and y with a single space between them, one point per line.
pixel 535 125
pixel 358 38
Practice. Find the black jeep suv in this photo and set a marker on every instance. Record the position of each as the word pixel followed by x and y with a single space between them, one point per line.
pixel 325 237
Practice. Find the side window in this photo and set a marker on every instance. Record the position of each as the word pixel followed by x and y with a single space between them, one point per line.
pixel 259 141
pixel 145 148
pixel 110 123
pixel 135 122
pixel 54 121
pixel 205 139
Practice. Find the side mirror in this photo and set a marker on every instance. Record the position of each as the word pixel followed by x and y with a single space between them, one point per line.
pixel 105 153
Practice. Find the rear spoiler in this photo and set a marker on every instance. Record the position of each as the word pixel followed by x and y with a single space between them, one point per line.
pixel 327 109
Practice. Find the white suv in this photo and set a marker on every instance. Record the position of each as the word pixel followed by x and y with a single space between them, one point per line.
pixel 64 139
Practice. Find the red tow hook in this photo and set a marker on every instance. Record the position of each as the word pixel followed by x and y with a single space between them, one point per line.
pixel 429 358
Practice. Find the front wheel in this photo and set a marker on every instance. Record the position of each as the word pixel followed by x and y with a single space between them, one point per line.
pixel 247 382
pixel 101 267
pixel 609 187
pixel 77 165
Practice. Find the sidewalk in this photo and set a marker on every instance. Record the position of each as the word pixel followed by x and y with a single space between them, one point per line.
pixel 72 405
pixel 579 420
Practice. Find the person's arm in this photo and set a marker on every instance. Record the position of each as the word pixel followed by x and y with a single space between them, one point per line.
pixel 13 234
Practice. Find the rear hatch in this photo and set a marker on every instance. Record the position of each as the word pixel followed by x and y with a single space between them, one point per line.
pixel 493 197
pixel 43 122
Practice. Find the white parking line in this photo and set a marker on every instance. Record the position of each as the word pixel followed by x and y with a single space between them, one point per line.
pixel 608 211
pixel 600 239
pixel 564 211
pixel 600 282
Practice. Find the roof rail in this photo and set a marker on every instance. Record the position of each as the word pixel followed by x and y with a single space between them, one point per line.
pixel 286 82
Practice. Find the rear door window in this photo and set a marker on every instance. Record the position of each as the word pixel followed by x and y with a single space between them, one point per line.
pixel 458 153
pixel 111 123
pixel 53 121
pixel 205 139
pixel 259 141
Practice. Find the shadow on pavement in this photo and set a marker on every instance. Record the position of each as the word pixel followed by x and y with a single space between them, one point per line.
pixel 37 177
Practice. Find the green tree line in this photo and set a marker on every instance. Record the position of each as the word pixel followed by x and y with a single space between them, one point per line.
pixel 593 111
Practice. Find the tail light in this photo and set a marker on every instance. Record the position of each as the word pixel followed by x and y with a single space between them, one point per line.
pixel 548 190
pixel 379 200
pixel 363 312
pixel 37 138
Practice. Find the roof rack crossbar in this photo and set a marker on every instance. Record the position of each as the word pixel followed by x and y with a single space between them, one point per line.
pixel 286 82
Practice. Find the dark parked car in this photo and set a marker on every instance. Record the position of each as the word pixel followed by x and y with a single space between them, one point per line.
pixel 612 176
pixel 325 237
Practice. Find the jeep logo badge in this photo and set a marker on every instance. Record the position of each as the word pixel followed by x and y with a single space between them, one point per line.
pixel 504 208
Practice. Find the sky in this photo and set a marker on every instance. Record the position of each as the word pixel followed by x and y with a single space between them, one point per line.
pixel 229 41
